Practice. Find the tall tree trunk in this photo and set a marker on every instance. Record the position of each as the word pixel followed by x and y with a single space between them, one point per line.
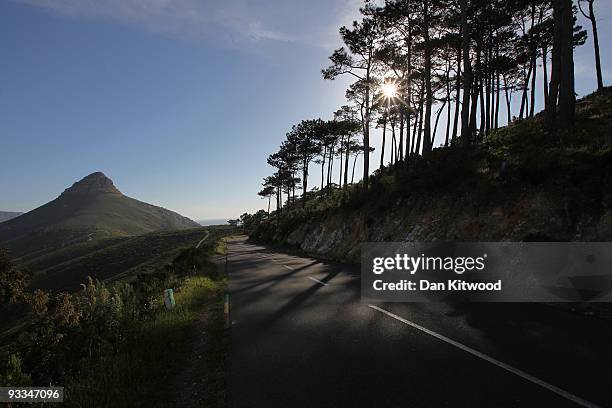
pixel 366 135
pixel 467 74
pixel 384 136
pixel 304 181
pixel 408 138
pixel 457 96
pixel 545 74
pixel 330 164
pixel 498 92
pixel 475 92
pixel 482 79
pixel 438 114
pixel 593 20
pixel 341 162
pixel 534 57
pixel 525 97
pixel 323 171
pixel 562 100
pixel 427 142
pixel 448 101
pixel 553 91
pixel 393 143
pixel 420 131
pixel 600 83
pixel 401 136
pixel 487 86
pixel 415 127
pixel 493 96
pixel 567 95
pixel 508 100
pixel 533 84
pixel 346 159
pixel 409 89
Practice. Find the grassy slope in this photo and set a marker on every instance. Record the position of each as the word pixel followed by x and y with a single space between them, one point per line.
pixel 37 263
pixel 121 258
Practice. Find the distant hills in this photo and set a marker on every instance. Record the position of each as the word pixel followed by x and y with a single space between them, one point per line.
pixel 90 209
pixel 7 215
pixel 213 221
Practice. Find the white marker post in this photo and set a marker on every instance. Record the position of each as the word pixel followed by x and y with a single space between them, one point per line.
pixel 226 310
pixel 169 299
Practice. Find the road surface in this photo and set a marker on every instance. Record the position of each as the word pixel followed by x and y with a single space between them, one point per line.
pixel 301 337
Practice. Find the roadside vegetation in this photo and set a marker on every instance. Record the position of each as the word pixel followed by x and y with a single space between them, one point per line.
pixel 440 82
pixel 452 88
pixel 507 162
pixel 65 269
pixel 113 342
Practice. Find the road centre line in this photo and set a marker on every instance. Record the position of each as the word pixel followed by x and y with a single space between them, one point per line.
pixel 516 371
pixel 318 281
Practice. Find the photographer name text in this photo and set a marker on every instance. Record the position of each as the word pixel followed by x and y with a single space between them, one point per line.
pixel 426 285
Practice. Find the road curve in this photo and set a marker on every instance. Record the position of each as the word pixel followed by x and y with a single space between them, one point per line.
pixel 302 338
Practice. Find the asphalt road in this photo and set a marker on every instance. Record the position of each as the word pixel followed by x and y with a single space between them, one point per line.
pixel 301 337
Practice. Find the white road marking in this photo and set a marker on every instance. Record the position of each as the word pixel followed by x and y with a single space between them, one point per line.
pixel 288 267
pixel 491 360
pixel 203 239
pixel 269 257
pixel 318 281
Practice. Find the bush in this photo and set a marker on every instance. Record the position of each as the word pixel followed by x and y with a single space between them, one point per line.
pixel 11 373
pixel 13 281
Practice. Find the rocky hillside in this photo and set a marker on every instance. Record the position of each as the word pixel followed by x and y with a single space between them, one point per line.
pixel 519 184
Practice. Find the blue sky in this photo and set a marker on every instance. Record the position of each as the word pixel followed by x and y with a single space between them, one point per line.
pixel 178 101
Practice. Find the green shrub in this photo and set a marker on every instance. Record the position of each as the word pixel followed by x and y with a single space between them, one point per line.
pixel 11 373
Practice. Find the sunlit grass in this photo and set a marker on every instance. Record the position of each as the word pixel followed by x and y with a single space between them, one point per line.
pixel 221 247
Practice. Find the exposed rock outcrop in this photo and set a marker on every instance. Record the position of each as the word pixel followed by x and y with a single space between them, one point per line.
pixel 95 183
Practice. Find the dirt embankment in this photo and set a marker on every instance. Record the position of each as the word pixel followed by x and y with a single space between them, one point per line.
pixel 547 212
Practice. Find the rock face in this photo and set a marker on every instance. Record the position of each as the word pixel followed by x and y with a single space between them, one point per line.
pixel 95 183
pixel 532 213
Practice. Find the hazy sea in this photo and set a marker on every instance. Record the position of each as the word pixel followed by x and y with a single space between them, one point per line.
pixel 213 221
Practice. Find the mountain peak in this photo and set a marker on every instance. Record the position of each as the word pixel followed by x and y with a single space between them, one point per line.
pixel 95 183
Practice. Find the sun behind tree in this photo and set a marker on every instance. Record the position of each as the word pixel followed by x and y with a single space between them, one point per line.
pixel 389 89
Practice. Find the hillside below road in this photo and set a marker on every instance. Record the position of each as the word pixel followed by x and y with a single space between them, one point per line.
pixel 302 338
